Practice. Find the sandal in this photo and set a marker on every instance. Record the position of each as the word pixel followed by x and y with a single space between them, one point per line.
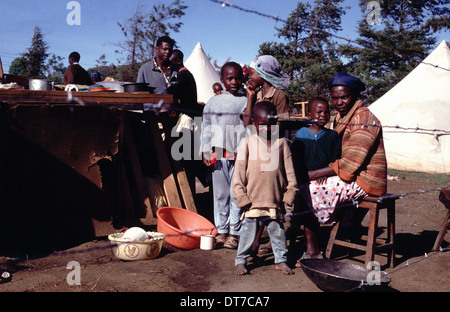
pixel 231 242
pixel 264 250
pixel 220 240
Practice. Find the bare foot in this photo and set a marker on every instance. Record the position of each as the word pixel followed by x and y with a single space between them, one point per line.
pixel 241 269
pixel 283 267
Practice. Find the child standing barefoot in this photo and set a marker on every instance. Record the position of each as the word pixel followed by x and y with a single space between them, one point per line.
pixel 264 178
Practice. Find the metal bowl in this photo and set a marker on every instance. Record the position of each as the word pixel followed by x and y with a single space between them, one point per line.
pixel 125 249
pixel 39 84
pixel 138 87
pixel 336 276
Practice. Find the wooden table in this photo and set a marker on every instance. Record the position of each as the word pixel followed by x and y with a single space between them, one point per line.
pixel 79 136
pixel 131 100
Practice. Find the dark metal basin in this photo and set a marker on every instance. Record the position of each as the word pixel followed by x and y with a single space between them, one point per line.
pixel 138 87
pixel 336 276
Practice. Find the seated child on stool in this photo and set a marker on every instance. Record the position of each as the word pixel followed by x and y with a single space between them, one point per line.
pixel 313 148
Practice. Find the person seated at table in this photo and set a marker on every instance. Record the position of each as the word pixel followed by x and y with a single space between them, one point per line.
pixel 96 77
pixel 75 74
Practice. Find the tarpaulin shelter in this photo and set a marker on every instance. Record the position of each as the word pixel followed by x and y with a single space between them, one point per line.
pixel 204 73
pixel 415 116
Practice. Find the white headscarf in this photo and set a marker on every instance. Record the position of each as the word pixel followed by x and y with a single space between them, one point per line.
pixel 270 70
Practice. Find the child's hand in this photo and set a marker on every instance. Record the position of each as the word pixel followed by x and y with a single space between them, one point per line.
pixel 250 91
pixel 321 173
pixel 206 159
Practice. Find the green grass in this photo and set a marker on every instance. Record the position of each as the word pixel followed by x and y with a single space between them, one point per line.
pixel 435 179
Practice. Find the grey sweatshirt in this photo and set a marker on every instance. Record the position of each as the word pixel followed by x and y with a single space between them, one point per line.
pixel 222 126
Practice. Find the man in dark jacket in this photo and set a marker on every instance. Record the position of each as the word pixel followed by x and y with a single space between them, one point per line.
pixel 186 90
pixel 76 74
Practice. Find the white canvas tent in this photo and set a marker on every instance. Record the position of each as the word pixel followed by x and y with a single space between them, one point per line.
pixel 204 73
pixel 415 115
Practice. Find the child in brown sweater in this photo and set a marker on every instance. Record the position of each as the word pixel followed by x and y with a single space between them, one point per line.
pixel 264 179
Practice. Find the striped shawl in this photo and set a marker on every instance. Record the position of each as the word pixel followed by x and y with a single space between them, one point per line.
pixel 363 157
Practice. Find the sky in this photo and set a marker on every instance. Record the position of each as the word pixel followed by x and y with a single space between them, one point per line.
pixel 224 32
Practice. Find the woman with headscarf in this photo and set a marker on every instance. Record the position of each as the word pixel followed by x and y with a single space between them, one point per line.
pixel 362 168
pixel 267 82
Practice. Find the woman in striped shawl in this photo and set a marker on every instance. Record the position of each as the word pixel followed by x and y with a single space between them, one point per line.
pixel 362 168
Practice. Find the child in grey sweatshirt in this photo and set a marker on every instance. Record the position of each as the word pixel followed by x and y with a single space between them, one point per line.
pixel 222 131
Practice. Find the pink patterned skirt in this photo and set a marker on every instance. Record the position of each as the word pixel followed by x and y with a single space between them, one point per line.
pixel 324 198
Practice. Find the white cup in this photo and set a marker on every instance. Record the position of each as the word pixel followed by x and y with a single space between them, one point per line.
pixel 207 242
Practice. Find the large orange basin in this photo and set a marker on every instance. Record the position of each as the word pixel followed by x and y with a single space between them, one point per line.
pixel 183 228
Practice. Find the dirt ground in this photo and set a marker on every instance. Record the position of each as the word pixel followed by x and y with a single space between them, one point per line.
pixel 418 219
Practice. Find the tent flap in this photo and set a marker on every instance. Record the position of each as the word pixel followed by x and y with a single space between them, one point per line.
pixel 204 73
pixel 415 116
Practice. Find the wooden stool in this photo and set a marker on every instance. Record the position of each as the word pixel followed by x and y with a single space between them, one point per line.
pixel 374 244
pixel 444 197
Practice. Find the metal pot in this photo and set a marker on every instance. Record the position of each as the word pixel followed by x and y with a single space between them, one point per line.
pixel 137 87
pixel 39 84
pixel 332 275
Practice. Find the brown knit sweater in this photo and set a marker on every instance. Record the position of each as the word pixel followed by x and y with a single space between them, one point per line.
pixel 264 177
pixel 363 156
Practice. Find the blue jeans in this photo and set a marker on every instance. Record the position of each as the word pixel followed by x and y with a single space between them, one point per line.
pixel 226 212
pixel 277 235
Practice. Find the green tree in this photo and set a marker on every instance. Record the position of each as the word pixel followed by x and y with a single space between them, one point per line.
pixel 384 54
pixel 142 31
pixel 36 63
pixel 134 33
pixel 101 60
pixel 33 61
pixel 111 71
pixel 55 69
pixel 144 27
pixel 161 20
pixel 105 70
pixel 309 53
pixel 17 66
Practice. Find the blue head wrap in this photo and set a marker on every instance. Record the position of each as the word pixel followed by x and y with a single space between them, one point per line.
pixel 344 79
pixel 270 70
pixel 96 75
